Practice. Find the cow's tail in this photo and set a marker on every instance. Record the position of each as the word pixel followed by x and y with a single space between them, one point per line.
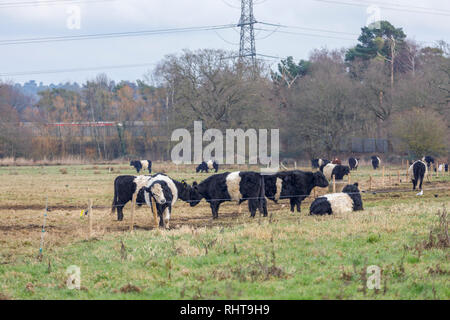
pixel 262 198
pixel 114 203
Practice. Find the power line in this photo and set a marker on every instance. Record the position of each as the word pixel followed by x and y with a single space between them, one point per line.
pixel 307 28
pixel 385 7
pixel 47 3
pixel 25 73
pixel 402 6
pixel 307 34
pixel 114 35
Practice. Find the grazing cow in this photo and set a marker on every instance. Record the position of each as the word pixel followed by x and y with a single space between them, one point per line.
pixel 235 186
pixel 336 161
pixel 175 190
pixel 346 201
pixel 141 165
pixel 294 185
pixel 353 163
pixel 429 160
pixel 336 170
pixel 124 188
pixel 317 163
pixel 417 172
pixel 206 166
pixel 442 167
pixel 375 162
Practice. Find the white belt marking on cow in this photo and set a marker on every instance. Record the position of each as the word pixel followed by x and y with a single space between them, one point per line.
pixel 279 186
pixel 233 181
pixel 340 202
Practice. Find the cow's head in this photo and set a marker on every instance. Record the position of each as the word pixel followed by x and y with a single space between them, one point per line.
pixel 195 195
pixel 158 190
pixel 189 194
pixel 320 180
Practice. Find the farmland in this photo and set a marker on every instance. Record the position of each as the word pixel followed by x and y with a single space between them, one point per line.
pixel 283 256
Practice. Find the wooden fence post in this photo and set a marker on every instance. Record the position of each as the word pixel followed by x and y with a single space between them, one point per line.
pixel 398 176
pixel 334 184
pixel 90 214
pixel 370 182
pixel 349 179
pixel 133 208
pixel 382 176
pixel 407 167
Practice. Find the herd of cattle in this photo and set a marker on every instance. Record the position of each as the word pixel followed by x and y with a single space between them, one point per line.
pixel 253 187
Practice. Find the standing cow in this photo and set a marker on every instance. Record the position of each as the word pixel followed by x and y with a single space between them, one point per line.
pixel 417 172
pixel 294 185
pixel 141 165
pixel 336 170
pixel 317 163
pixel 429 161
pixel 376 161
pixel 353 163
pixel 234 186
pixel 206 166
pixel 124 188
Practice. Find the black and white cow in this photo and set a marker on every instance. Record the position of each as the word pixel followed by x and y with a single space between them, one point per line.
pixel 336 170
pixel 317 163
pixel 124 188
pixel 376 161
pixel 442 167
pixel 294 185
pixel 346 201
pixel 237 186
pixel 417 172
pixel 353 163
pixel 206 166
pixel 175 190
pixel 141 165
pixel 429 160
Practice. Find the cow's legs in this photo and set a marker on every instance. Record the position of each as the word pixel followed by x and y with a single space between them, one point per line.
pixel 414 182
pixel 252 205
pixel 120 213
pixel 298 202
pixel 215 209
pixel 166 215
pixel 292 202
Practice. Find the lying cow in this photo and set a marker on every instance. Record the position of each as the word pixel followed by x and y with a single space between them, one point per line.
pixel 353 163
pixel 141 165
pixel 294 185
pixel 336 170
pixel 206 166
pixel 417 172
pixel 234 186
pixel 346 201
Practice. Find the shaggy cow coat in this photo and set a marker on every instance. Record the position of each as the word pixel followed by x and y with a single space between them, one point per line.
pixel 353 163
pixel 376 162
pixel 294 185
pixel 417 172
pixel 206 166
pixel 124 188
pixel 336 170
pixel 141 165
pixel 346 201
pixel 234 186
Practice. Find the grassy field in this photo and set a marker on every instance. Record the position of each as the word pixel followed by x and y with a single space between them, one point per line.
pixel 284 256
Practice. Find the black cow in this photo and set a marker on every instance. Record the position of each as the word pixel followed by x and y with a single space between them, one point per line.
pixel 235 186
pixel 417 172
pixel 375 162
pixel 141 165
pixel 317 163
pixel 124 188
pixel 429 160
pixel 294 185
pixel 353 163
pixel 206 166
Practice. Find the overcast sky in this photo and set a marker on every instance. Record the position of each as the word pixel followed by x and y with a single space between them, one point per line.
pixel 49 19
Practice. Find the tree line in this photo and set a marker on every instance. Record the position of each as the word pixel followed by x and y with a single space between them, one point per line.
pixel 387 86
